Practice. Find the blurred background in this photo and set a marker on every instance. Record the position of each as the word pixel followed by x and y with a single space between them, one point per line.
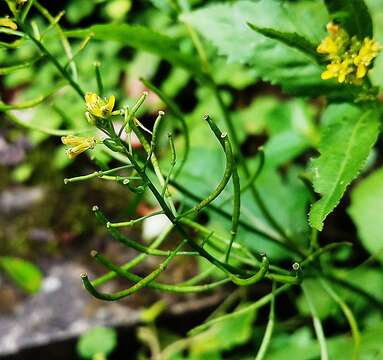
pixel 47 228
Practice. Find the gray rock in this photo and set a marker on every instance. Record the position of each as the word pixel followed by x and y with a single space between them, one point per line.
pixel 61 310
pixel 20 198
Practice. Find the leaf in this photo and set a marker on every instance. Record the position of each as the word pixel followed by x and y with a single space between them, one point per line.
pixel 322 302
pixel 99 340
pixel 353 15
pixel 366 210
pixel 225 26
pixel 300 345
pixel 224 335
pixel 25 275
pixel 78 10
pixel 347 139
pixel 293 40
pixel 143 38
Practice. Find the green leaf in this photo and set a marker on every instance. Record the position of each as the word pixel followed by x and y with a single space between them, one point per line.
pixel 225 26
pixel 347 139
pixel 223 335
pixel 99 340
pixel 143 38
pixel 353 15
pixel 25 275
pixel 78 10
pixel 293 40
pixel 322 302
pixel 366 211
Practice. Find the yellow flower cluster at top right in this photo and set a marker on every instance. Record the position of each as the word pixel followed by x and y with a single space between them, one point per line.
pixel 349 58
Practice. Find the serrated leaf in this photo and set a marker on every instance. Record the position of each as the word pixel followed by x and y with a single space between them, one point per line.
pixel 293 40
pixel 225 26
pixel 25 275
pixel 143 38
pixel 366 211
pixel 346 141
pixel 353 15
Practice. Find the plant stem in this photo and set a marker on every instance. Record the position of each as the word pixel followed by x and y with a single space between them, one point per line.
pixel 137 286
pixel 134 221
pixel 269 330
pixel 55 62
pixel 137 260
pixel 181 289
pixel 96 174
pixel 348 314
pixel 65 43
pixel 250 308
pixel 173 107
pixel 234 138
pixel 317 324
pixel 244 224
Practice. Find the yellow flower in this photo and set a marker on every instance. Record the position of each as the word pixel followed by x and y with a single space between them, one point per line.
pixel 349 58
pixel 7 22
pixel 334 44
pixel 367 53
pixel 328 46
pixel 78 144
pixel 333 28
pixel 339 70
pixel 99 107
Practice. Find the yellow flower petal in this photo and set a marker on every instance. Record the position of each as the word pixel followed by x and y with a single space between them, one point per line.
pixel 361 71
pixel 99 107
pixel 78 144
pixel 7 22
pixel 326 75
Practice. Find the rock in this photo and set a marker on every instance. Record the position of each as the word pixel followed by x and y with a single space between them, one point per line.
pixel 61 310
pixel 19 199
pixel 11 154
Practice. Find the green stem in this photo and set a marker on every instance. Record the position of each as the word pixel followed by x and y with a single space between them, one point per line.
pixel 137 260
pixel 348 314
pixel 224 141
pixel 269 329
pixel 96 174
pixel 53 132
pixel 258 276
pixel 242 223
pixel 173 107
pixel 55 62
pixel 236 211
pixel 100 85
pixel 181 289
pixel 65 43
pixel 134 221
pixel 172 164
pixel 371 299
pixel 30 103
pixel 154 161
pixel 130 243
pixel 26 9
pixel 130 114
pixel 234 138
pixel 250 308
pixel 222 266
pixel 317 324
pixel 136 287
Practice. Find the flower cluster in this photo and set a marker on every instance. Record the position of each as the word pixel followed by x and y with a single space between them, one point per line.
pixel 349 58
pixel 99 110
